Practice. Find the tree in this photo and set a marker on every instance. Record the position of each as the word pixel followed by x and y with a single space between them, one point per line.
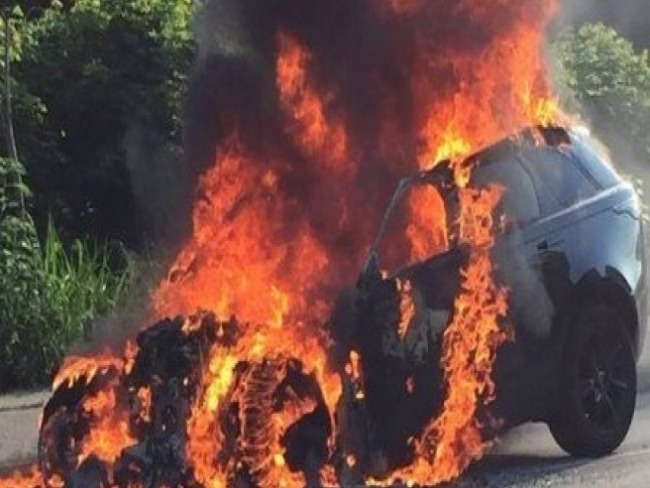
pixel 24 356
pixel 7 15
pixel 608 82
pixel 7 111
pixel 89 72
pixel 74 77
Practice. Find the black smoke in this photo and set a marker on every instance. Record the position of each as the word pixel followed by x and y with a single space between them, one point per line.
pixel 379 68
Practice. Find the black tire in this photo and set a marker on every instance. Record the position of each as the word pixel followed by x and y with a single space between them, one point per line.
pixel 598 385
pixel 64 425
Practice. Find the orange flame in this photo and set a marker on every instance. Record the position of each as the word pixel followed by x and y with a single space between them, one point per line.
pixel 109 432
pixel 30 479
pixel 406 306
pixel 75 367
pixel 258 253
pixel 453 440
pixel 307 110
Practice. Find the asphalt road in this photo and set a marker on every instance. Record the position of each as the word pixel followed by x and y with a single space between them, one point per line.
pixel 526 458
pixel 529 458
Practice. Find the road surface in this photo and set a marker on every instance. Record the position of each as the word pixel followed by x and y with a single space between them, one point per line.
pixel 526 458
pixel 529 458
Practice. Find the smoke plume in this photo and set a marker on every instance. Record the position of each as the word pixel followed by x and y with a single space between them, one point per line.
pixel 339 99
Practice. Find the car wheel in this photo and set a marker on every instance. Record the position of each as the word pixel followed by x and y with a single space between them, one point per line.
pixel 598 385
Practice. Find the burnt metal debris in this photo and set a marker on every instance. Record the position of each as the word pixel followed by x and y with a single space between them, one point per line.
pixel 375 418
pixel 401 382
pixel 170 362
pixel 397 389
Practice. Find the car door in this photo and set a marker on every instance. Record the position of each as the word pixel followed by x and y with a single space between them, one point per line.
pixel 556 243
pixel 517 251
pixel 531 261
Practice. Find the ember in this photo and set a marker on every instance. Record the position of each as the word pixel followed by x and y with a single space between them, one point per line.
pixel 270 384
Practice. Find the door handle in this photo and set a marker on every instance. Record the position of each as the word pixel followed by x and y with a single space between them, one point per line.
pixel 545 245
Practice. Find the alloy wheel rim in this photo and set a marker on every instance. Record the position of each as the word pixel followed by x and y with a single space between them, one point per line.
pixel 604 380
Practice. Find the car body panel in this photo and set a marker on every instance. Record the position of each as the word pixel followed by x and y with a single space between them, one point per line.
pixel 596 235
pixel 592 249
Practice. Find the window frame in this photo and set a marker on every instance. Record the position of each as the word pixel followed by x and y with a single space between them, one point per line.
pixel 594 160
pixel 515 158
pixel 549 201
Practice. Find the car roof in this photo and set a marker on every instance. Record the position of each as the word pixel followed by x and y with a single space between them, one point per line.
pixel 576 141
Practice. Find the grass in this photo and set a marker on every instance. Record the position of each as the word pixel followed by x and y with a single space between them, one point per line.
pixel 83 282
pixel 51 294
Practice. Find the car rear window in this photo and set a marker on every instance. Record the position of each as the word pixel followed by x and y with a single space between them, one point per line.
pixel 595 160
pixel 561 176
pixel 519 201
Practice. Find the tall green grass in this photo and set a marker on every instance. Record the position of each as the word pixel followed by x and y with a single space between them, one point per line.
pixel 83 281
pixel 50 297
pixel 51 294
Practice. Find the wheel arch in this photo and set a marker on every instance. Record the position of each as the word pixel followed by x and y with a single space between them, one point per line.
pixel 594 288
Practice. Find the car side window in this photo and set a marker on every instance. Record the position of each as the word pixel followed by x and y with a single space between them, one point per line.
pixel 560 175
pixel 519 201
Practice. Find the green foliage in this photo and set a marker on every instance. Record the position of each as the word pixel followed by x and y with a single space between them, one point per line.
pixel 83 73
pixel 82 283
pixel 24 328
pixel 88 71
pixel 608 80
pixel 49 296
pixel 13 15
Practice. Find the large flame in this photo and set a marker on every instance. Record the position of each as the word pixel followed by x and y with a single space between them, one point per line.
pixel 280 226
pixel 453 440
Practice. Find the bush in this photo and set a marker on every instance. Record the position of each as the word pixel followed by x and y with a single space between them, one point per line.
pixel 608 82
pixel 23 304
pixel 49 296
pixel 89 73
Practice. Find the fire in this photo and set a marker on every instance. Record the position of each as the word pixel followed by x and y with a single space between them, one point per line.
pixel 354 372
pixel 406 306
pixel 31 479
pixel 266 278
pixel 109 432
pixel 145 398
pixel 286 211
pixel 241 203
pixel 453 440
pixel 309 126
pixel 544 110
pixel 427 231
pixel 74 368
pixel 204 435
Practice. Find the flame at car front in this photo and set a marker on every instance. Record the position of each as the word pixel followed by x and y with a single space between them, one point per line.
pixel 284 217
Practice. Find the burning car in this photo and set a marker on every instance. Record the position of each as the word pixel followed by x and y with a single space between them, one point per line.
pixel 570 251
pixel 568 257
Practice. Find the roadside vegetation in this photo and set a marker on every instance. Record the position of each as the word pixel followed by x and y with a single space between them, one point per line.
pixel 84 77
pixel 606 80
pixel 50 294
pixel 79 74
